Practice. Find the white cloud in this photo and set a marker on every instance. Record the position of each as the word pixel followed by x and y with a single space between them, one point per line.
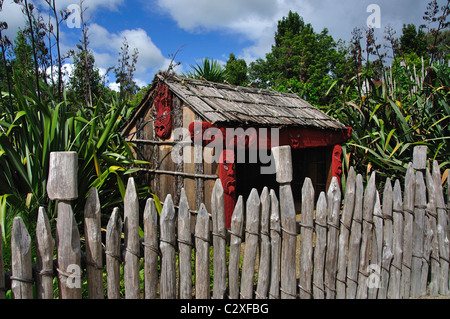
pixel 256 20
pixel 106 47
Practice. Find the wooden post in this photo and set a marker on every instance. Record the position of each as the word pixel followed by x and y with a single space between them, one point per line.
pixel 306 235
pixel 94 253
pixel 22 277
pixel 441 231
pixel 237 223
pixel 355 241
pixel 251 244
pixel 346 220
pixel 284 174
pixel 418 233
pixel 219 240
pixel 202 276
pixel 113 255
pixel 131 240
pixel 264 251
pixel 334 207
pixel 368 206
pixel 45 245
pixel 167 246
pixel 185 247
pixel 151 250
pixel 388 234
pixel 62 176
pixel 320 248
pixel 377 250
pixel 394 290
pixel 408 211
pixel 275 244
pixel 432 216
pixel 62 185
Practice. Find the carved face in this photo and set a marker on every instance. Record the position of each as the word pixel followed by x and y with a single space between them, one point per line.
pixel 337 160
pixel 201 133
pixel 227 171
pixel 163 107
pixel 294 139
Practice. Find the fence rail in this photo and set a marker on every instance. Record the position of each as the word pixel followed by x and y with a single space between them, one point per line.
pixel 390 246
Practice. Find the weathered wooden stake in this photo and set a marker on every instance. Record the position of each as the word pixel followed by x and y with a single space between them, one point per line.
pixel 432 217
pixel 355 241
pixel 306 235
pixel 167 246
pixel 408 211
pixel 94 253
pixel 418 234
pixel 251 244
pixel 368 206
pixel 151 250
pixel 394 289
pixel 320 248
pixel 132 245
pixel 185 247
pixel 113 254
pixel 22 277
pixel 388 234
pixel 442 233
pixel 346 220
pixel 237 223
pixel 377 250
pixel 264 251
pixel 62 185
pixel 334 207
pixel 45 245
pixel 284 175
pixel 275 244
pixel 202 276
pixel 219 240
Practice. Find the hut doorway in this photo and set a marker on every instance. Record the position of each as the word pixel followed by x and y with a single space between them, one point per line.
pixel 308 162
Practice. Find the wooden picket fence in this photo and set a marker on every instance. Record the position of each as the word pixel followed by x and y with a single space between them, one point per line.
pixel 371 246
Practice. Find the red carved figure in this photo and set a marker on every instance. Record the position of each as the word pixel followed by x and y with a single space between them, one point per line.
pixel 163 108
pixel 336 162
pixel 227 175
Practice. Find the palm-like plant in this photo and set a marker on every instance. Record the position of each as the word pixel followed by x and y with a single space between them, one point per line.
pixel 209 70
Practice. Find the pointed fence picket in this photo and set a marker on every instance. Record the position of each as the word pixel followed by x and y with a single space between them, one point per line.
pixel 363 244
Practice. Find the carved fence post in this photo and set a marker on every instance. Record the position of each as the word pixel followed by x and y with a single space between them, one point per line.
pixel 284 176
pixel 62 185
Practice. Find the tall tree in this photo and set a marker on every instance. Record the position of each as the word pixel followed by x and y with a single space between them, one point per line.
pixel 301 61
pixel 236 71
pixel 124 71
pixel 413 41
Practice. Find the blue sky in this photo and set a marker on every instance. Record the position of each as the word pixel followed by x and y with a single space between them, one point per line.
pixel 209 28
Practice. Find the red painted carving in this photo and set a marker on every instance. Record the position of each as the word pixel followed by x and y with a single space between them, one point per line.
pixel 163 108
pixel 227 175
pixel 336 162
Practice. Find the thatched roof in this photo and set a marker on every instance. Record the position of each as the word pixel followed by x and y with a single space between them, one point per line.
pixel 232 105
pixel 225 103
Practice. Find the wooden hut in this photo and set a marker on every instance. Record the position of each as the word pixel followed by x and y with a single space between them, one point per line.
pixel 177 129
